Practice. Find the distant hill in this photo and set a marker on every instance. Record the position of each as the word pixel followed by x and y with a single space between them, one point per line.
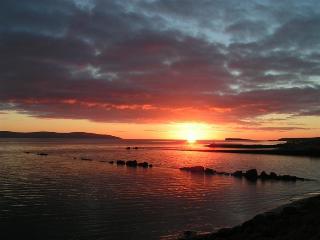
pixel 238 139
pixel 8 134
pixel 300 139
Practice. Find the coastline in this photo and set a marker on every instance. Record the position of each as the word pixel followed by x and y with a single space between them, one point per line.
pixel 296 220
pixel 306 153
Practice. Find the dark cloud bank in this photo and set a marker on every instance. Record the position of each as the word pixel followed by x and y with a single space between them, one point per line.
pixel 157 61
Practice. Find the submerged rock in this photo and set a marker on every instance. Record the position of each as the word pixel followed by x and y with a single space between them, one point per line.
pixel 121 162
pixel 128 148
pixel 195 169
pixel 111 162
pixel 86 159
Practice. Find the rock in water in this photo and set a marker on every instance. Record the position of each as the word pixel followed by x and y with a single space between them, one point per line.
pixel 237 174
pixel 264 175
pixel 251 174
pixel 132 163
pixel 209 171
pixel 121 162
pixel 143 164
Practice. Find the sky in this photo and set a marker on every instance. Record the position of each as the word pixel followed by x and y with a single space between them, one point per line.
pixel 161 69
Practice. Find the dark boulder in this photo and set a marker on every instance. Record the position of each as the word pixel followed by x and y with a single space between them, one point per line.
pixel 143 164
pixel 264 175
pixel 237 174
pixel 132 163
pixel 273 175
pixel 209 171
pixel 86 159
pixel 121 162
pixel 128 148
pixel 150 165
pixel 111 162
pixel 251 174
pixel 197 169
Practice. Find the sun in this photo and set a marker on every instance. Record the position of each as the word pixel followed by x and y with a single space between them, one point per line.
pixel 190 132
pixel 191 136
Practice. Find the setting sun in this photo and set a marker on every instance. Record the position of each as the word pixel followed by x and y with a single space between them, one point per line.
pixel 191 136
pixel 191 132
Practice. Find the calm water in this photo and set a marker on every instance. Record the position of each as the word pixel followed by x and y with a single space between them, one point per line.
pixel 59 197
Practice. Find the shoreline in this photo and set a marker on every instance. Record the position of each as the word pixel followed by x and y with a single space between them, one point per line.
pixel 299 219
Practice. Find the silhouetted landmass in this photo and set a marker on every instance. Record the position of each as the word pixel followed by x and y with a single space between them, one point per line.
pixel 232 145
pixel 238 139
pixel 292 146
pixel 299 139
pixel 7 134
pixel 295 221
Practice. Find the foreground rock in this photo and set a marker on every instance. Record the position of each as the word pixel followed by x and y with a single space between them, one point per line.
pixel 251 174
pixel 296 221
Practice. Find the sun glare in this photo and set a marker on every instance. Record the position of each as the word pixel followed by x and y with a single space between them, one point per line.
pixel 191 132
pixel 191 138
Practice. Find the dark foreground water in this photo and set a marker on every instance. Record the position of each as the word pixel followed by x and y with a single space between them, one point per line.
pixel 59 197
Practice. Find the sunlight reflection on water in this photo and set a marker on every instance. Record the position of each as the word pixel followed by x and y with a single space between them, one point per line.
pixel 58 197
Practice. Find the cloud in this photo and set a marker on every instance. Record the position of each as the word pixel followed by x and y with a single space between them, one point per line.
pixel 159 61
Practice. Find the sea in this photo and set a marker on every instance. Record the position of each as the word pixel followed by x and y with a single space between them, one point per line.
pixel 61 197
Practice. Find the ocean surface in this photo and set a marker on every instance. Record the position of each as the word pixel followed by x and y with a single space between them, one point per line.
pixel 62 197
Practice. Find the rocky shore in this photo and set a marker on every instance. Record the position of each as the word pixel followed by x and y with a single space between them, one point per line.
pixel 299 220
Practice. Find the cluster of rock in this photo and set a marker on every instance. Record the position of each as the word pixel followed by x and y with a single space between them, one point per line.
pixel 132 163
pixel 201 169
pixel 251 174
pixel 39 154
pixel 128 148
